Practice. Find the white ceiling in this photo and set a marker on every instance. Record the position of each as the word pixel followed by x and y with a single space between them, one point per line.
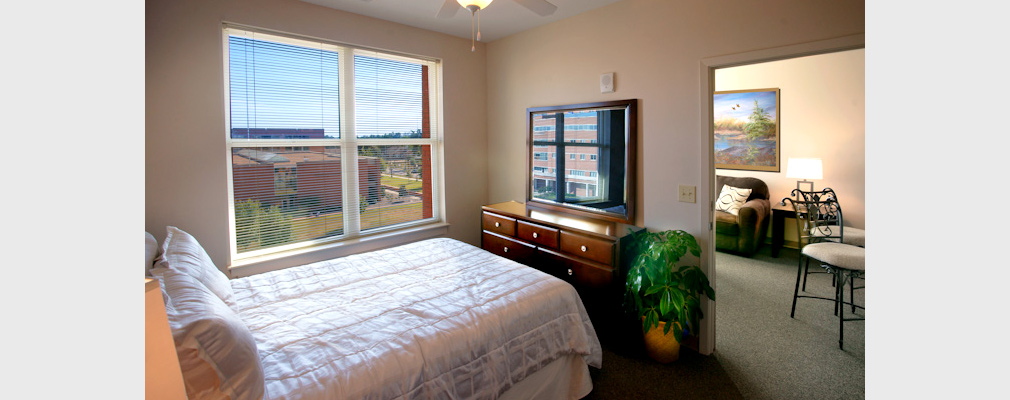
pixel 500 19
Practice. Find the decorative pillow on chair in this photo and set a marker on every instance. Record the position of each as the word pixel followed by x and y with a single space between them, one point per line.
pixel 182 253
pixel 217 352
pixel 731 198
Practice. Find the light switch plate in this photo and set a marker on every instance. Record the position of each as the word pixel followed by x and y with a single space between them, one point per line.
pixel 687 194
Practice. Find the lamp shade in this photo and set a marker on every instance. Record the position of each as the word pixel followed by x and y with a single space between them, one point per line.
pixel 804 168
pixel 479 3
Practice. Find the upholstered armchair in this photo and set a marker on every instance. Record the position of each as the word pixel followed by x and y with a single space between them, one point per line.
pixel 744 231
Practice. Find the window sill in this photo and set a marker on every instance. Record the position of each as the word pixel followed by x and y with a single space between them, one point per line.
pixel 276 261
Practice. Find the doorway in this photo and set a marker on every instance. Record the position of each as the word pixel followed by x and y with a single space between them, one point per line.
pixel 709 66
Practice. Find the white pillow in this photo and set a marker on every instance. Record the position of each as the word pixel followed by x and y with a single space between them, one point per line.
pixel 731 198
pixel 151 252
pixel 181 252
pixel 217 352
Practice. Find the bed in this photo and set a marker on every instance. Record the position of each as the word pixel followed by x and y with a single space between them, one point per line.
pixel 432 319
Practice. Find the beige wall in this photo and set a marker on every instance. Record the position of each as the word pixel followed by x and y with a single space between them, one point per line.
pixel 822 115
pixel 654 48
pixel 185 157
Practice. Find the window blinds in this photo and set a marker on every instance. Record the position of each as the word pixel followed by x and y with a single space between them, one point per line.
pixel 296 180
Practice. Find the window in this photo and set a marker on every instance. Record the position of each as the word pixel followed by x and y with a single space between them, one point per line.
pixel 327 142
pixel 571 156
pixel 582 156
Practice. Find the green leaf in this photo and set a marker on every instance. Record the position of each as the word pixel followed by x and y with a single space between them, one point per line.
pixel 650 273
pixel 666 327
pixel 677 299
pixel 635 280
pixel 651 320
pixel 690 320
pixel 665 301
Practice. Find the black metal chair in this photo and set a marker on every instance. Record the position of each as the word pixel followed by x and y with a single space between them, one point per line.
pixel 848 235
pixel 822 238
pixel 853 236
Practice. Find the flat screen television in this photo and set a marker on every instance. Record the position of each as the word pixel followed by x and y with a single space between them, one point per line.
pixel 581 159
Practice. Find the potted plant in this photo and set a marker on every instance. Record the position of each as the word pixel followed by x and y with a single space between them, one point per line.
pixel 666 296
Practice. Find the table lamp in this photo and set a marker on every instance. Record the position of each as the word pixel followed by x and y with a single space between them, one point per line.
pixel 804 168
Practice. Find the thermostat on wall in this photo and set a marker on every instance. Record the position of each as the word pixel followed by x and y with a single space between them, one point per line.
pixel 607 83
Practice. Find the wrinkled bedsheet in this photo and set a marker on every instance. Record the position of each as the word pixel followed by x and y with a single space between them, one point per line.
pixel 432 319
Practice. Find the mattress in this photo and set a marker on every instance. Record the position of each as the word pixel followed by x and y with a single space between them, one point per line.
pixel 432 319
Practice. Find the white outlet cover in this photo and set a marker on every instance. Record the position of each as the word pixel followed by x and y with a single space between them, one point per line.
pixel 607 83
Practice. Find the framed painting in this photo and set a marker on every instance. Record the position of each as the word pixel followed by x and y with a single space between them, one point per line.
pixel 746 129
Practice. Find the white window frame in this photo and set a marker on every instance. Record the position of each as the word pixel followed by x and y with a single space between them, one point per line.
pixel 348 142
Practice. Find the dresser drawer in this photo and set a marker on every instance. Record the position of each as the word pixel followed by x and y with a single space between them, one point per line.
pixel 599 250
pixel 508 248
pixel 498 224
pixel 541 235
pixel 581 274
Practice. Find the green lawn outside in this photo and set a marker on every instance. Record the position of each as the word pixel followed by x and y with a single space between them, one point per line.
pixel 307 228
pixel 390 215
pixel 396 181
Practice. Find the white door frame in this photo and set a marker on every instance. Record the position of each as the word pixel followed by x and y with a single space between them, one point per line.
pixel 708 66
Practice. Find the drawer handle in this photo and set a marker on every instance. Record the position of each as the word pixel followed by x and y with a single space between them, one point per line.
pixel 570 272
pixel 497 224
pixel 534 235
pixel 506 249
pixel 584 249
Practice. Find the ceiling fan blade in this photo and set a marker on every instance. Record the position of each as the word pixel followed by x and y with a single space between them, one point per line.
pixel 541 7
pixel 448 9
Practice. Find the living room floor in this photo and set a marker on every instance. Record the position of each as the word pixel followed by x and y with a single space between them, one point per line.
pixel 769 355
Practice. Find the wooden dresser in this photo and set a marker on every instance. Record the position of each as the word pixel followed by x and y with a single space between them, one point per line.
pixel 583 251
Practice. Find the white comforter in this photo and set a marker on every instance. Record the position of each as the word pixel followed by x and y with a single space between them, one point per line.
pixel 433 319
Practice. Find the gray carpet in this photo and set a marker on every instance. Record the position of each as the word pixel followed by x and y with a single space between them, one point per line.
pixel 769 355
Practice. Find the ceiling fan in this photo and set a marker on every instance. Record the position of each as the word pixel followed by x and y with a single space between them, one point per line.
pixel 450 7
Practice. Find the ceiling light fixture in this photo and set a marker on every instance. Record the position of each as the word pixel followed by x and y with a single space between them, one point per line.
pixel 474 6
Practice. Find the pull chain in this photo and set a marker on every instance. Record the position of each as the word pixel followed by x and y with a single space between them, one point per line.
pixel 473 44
